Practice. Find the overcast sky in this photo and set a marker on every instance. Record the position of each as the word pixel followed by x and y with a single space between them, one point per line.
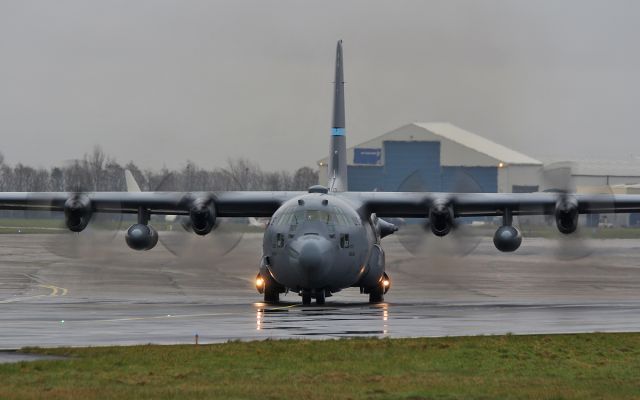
pixel 161 82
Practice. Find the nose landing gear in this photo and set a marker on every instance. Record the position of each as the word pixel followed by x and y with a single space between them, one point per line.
pixel 270 288
pixel 376 294
pixel 319 295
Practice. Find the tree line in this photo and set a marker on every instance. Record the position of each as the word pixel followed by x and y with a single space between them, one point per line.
pixel 96 171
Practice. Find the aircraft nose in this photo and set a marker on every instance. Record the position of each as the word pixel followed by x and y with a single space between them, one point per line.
pixel 313 256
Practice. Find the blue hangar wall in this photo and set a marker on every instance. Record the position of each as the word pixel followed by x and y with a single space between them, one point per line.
pixel 415 166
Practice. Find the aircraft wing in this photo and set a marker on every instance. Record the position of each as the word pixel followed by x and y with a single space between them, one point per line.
pixel 384 204
pixel 227 204
pixel 417 205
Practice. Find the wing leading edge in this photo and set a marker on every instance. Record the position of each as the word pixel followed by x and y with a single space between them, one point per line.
pixel 408 205
pixel 228 204
pixel 383 204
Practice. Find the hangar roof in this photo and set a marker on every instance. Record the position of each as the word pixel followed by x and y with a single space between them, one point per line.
pixel 601 167
pixel 476 142
pixel 450 133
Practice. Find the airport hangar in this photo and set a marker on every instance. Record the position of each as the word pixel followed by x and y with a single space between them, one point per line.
pixel 441 157
pixel 437 157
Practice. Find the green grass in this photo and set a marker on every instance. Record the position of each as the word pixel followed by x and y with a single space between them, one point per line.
pixel 601 366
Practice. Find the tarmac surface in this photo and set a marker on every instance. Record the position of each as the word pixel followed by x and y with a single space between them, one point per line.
pixel 115 296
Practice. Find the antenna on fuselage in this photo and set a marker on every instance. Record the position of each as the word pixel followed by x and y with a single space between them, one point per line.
pixel 338 151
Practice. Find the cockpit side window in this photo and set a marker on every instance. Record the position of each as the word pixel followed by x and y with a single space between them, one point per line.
pixel 343 219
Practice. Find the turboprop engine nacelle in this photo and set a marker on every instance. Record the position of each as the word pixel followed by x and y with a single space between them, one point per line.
pixel 382 227
pixel 202 215
pixel 141 237
pixel 566 215
pixel 77 213
pixel 440 218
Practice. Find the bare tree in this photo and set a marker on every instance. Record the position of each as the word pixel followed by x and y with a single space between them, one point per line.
pixel 95 162
pixel 56 180
pixel 304 178
pixel 113 177
pixel 97 171
pixel 77 177
pixel 6 178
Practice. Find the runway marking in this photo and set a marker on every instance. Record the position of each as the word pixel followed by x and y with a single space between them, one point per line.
pixel 56 291
pixel 281 308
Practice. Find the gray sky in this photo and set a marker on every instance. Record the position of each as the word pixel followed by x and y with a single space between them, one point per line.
pixel 160 82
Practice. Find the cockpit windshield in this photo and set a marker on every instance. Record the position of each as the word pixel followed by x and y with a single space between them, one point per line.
pixel 330 216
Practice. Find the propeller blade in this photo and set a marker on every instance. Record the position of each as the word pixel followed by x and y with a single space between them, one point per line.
pixel 577 245
pixel 178 238
pixel 415 233
pixel 96 240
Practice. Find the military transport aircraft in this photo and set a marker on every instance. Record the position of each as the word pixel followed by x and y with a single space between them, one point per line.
pixel 327 239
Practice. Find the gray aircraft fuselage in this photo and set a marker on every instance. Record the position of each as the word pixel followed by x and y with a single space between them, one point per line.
pixel 317 242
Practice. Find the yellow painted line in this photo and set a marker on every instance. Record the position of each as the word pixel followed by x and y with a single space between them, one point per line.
pixel 56 291
pixel 282 308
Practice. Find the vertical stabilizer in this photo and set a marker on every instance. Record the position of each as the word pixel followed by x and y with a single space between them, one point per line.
pixel 132 185
pixel 337 172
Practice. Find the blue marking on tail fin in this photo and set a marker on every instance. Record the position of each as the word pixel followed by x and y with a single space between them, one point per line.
pixel 337 131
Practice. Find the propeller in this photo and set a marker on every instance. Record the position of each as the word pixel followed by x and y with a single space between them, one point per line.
pixel 177 235
pixel 77 232
pixel 415 234
pixel 573 234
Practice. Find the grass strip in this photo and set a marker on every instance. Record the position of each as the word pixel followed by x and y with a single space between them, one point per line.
pixel 581 366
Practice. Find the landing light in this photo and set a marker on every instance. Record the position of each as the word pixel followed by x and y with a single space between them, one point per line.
pixel 259 282
pixel 386 283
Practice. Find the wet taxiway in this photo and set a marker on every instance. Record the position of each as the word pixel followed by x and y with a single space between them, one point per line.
pixel 117 296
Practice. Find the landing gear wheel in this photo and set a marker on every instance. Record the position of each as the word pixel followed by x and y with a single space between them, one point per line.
pixel 306 298
pixel 271 295
pixel 320 297
pixel 376 295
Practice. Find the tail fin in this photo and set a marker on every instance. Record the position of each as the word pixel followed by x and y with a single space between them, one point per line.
pixel 338 154
pixel 132 185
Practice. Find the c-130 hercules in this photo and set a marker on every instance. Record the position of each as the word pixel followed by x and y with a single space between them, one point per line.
pixel 327 239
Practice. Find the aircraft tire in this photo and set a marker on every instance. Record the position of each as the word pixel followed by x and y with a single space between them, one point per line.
pixel 320 297
pixel 376 295
pixel 271 295
pixel 306 298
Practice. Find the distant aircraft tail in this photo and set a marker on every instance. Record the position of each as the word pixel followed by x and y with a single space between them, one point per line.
pixel 337 171
pixel 132 185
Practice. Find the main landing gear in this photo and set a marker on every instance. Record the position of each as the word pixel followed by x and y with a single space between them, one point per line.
pixel 320 296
